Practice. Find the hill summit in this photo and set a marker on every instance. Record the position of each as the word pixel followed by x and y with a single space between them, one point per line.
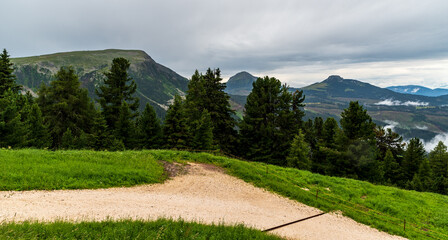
pixel 156 84
pixel 240 84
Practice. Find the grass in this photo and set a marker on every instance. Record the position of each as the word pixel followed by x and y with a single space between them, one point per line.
pixel 47 170
pixel 381 207
pixel 128 229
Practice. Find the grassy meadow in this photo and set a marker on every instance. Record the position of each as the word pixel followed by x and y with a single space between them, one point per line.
pixel 128 229
pixel 47 170
pixel 410 214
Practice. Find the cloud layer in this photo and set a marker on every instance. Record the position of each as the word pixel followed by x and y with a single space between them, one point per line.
pixel 391 102
pixel 300 42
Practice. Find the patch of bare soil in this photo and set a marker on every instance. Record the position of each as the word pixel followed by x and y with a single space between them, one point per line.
pixel 204 194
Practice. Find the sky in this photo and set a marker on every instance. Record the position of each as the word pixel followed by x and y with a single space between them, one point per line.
pixel 383 42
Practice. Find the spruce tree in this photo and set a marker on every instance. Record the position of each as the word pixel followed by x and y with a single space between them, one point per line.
pixel 117 88
pixel 356 123
pixel 387 139
pixel 438 158
pixel 412 159
pixel 149 129
pixel 390 168
pixel 269 124
pixel 299 153
pixel 39 136
pixel 13 130
pixel 7 78
pixel 101 138
pixel 329 131
pixel 422 181
pixel 65 105
pixel 203 135
pixel 206 92
pixel 175 128
pixel 125 127
pixel 67 140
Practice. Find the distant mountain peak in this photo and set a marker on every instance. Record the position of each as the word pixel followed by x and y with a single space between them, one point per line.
pixel 240 83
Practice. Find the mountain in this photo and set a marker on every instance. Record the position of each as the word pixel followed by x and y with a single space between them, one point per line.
pixel 156 84
pixel 419 90
pixel 409 115
pixel 240 84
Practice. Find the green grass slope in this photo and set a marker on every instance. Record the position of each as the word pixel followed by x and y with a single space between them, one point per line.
pixel 128 229
pixel 156 84
pixel 39 169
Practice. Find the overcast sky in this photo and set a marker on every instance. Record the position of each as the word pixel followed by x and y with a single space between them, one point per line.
pixel 385 43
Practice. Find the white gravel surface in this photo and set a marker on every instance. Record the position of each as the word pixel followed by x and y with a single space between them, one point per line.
pixel 204 194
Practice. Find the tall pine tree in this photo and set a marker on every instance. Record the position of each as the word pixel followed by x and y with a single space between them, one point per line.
pixel 117 88
pixel 65 105
pixel 7 78
pixel 175 128
pixel 149 129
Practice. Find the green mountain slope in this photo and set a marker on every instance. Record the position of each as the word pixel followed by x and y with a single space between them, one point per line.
pixel 156 83
pixel 409 115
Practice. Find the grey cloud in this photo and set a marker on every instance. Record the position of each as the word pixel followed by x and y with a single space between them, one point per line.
pixel 258 36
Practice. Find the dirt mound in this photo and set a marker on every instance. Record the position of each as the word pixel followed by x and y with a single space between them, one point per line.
pixel 205 193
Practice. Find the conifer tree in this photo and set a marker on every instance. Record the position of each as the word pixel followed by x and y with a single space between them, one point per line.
pixel 203 135
pixel 329 132
pixel 39 136
pixel 101 138
pixel 423 181
pixel 67 140
pixel 390 168
pixel 125 127
pixel 65 105
pixel 12 129
pixel 412 159
pixel 149 129
pixel 7 78
pixel 356 123
pixel 269 124
pixel 175 128
pixel 116 90
pixel 387 139
pixel 299 153
pixel 206 92
pixel 438 158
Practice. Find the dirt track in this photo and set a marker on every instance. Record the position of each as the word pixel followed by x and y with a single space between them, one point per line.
pixel 205 194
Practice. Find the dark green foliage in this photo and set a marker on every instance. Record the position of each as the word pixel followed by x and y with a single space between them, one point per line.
pixel 329 131
pixel 423 181
pixel 101 138
pixel 387 139
pixel 124 129
pixel 269 124
pixel 38 133
pixel 203 135
pixel 115 90
pixel 7 78
pixel 299 153
pixel 129 229
pixel 206 92
pixel 390 168
pixel 356 123
pixel 175 128
pixel 412 159
pixel 148 129
pixel 68 141
pixel 438 158
pixel 65 106
pixel 13 130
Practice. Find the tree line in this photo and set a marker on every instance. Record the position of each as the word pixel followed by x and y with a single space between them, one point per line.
pixel 272 129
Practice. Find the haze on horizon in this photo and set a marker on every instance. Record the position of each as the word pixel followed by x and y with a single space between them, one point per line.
pixel 299 42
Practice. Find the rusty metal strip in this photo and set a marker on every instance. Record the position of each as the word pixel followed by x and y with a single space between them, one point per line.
pixel 300 220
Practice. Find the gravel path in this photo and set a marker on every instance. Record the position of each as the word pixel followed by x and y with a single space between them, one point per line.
pixel 204 194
